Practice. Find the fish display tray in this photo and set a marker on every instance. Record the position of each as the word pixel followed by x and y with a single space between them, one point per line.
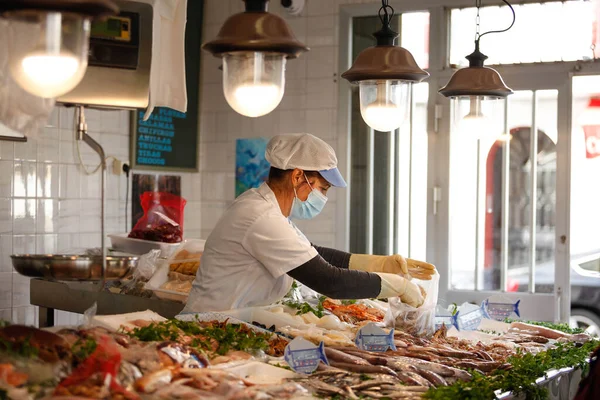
pixel 73 267
pixel 138 246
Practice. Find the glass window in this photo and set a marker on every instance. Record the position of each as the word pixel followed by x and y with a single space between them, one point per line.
pixel 492 206
pixel 585 170
pixel 535 37
pixel 414 36
pixel 389 169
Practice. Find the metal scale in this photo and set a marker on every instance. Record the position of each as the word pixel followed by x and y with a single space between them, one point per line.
pixel 117 77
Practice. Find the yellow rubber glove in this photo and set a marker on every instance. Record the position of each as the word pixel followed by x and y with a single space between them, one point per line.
pixel 420 269
pixel 393 285
pixel 394 264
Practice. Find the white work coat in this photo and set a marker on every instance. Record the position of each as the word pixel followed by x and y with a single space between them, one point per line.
pixel 248 255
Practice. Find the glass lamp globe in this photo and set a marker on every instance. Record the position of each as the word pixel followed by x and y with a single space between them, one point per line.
pixel 48 51
pixel 384 103
pixel 477 116
pixel 254 82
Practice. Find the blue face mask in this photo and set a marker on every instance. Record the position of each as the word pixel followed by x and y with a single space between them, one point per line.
pixel 309 208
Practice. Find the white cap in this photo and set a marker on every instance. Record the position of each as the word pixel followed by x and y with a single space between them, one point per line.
pixel 307 152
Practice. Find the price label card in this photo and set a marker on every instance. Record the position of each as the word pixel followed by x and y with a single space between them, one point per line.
pixel 500 307
pixel 372 338
pixel 468 317
pixel 303 356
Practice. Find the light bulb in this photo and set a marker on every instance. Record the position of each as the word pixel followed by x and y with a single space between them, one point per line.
pixel 253 82
pixel 478 124
pixel 383 104
pixel 48 51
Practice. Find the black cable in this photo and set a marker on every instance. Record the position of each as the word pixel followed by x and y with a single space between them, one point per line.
pixel 126 169
pixel 503 30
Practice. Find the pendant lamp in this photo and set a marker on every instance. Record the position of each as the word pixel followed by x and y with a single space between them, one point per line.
pixel 254 46
pixel 49 41
pixel 384 74
pixel 481 86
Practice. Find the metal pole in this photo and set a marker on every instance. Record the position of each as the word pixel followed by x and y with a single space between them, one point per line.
pixel 370 188
pixel 505 202
pixel 81 134
pixel 533 203
pixel 410 169
pixel 477 216
pixel 391 189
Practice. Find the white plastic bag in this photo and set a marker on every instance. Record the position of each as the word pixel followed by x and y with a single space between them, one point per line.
pixel 415 321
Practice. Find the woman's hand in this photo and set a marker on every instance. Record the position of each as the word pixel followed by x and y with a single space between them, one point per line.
pixel 393 285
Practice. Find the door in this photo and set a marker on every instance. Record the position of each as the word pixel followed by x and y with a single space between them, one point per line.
pixel 503 202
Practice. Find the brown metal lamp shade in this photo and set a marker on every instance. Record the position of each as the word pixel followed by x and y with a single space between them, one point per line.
pixel 255 30
pixel 476 80
pixel 89 8
pixel 385 63
pixel 385 60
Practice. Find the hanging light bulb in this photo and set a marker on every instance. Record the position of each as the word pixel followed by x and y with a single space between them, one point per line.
pixel 477 122
pixel 254 46
pixel 48 45
pixel 253 83
pixel 384 74
pixel 482 86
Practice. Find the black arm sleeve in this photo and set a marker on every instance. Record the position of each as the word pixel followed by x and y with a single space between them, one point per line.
pixel 337 258
pixel 337 283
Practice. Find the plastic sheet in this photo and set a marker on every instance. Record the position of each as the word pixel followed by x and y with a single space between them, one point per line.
pixel 416 321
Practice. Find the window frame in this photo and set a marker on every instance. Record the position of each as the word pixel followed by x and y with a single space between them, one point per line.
pixel 536 76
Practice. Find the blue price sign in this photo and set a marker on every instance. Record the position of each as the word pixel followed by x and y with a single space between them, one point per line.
pixel 372 338
pixel 303 356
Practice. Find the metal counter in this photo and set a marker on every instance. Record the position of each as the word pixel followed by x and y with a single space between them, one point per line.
pixel 77 297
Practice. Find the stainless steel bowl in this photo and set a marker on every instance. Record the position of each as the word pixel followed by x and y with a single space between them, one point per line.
pixel 73 267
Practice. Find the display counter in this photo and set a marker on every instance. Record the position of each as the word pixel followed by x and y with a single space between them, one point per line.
pixel 77 297
pixel 439 366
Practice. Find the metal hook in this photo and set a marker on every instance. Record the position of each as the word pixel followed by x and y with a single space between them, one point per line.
pixel 386 17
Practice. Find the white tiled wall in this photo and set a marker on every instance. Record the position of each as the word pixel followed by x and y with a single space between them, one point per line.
pixel 309 105
pixel 48 204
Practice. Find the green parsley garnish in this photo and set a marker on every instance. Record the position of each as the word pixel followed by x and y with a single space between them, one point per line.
pixel 454 309
pixel 23 349
pixel 82 349
pixel 304 308
pixel 226 337
pixel 520 380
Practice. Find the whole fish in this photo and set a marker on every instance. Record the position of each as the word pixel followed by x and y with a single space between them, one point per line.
pixel 407 379
pixel 439 369
pixel 432 377
pixel 418 378
pixel 370 384
pixel 325 388
pixel 371 359
pixel 340 356
pixel 484 355
pixel 373 369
